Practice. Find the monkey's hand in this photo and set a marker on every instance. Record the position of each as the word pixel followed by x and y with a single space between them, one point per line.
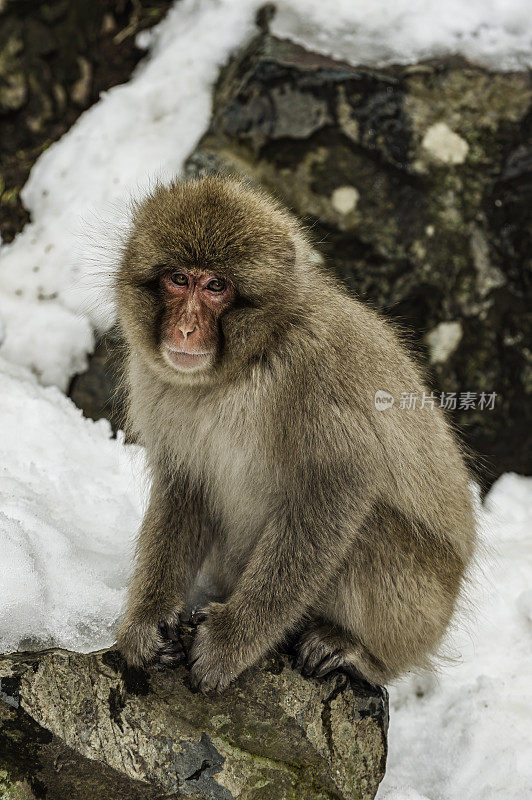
pixel 144 642
pixel 214 658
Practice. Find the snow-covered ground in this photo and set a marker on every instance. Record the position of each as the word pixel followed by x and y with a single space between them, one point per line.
pixel 71 496
pixel 466 734
pixel 70 503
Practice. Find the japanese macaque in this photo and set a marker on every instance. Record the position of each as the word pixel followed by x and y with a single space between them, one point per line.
pixel 319 517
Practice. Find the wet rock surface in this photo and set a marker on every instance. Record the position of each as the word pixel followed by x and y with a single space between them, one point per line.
pixel 74 725
pixel 416 182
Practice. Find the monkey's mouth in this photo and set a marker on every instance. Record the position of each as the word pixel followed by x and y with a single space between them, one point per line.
pixel 186 361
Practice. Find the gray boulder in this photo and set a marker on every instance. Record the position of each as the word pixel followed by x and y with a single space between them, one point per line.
pixel 76 726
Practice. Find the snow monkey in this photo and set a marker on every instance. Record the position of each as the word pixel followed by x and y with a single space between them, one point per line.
pixel 319 513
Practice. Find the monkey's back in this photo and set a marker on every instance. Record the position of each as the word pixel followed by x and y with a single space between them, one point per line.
pixel 399 586
pixel 410 451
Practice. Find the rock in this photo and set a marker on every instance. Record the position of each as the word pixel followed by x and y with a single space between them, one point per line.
pixel 82 726
pixel 97 390
pixel 55 60
pixel 417 184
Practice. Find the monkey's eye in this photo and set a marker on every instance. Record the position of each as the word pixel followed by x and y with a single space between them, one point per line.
pixel 216 285
pixel 178 278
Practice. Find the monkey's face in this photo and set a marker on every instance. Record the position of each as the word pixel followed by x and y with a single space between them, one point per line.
pixel 207 280
pixel 193 301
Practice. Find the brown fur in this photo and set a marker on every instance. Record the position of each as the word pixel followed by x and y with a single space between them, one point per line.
pixel 314 511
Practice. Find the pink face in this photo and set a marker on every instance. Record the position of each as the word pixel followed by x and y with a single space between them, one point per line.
pixel 194 301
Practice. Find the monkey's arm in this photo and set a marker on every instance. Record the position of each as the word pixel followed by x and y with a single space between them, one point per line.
pixel 297 555
pixel 171 546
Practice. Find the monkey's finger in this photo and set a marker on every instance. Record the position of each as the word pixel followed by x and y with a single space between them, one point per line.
pixel 210 684
pixel 329 663
pixel 172 648
pixel 192 662
pixel 199 681
pixel 313 659
pixel 173 633
pixel 300 659
pixel 358 678
pixel 171 654
pixel 170 661
pixel 168 631
pixel 198 616
pixel 201 674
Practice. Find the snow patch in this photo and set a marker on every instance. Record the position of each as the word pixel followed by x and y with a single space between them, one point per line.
pixel 71 500
pixel 443 341
pixel 344 199
pixel 62 343
pixel 494 33
pixel 444 144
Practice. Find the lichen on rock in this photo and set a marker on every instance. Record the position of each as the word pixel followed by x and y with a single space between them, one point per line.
pixel 272 734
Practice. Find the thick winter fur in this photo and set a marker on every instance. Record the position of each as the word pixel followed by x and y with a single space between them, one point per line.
pixel 315 513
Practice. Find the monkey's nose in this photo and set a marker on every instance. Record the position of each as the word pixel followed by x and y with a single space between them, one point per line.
pixel 187 328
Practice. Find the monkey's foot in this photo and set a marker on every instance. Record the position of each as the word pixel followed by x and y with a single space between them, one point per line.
pixel 214 658
pixel 198 615
pixel 145 643
pixel 323 648
pixel 171 651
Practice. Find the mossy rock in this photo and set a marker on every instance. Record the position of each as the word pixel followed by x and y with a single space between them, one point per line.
pixel 273 734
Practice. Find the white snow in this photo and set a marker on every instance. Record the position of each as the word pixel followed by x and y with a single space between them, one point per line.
pixel 62 343
pixel 70 504
pixel 79 189
pixel 71 496
pixel 495 33
pixel 466 733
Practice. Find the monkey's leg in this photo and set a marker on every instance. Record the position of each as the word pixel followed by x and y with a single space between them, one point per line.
pixel 293 563
pixel 393 598
pixel 324 647
pixel 171 546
